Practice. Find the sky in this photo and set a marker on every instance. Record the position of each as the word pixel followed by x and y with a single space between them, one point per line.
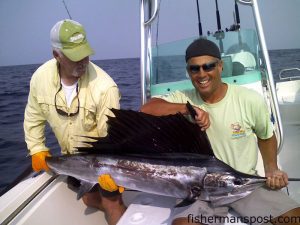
pixel 113 27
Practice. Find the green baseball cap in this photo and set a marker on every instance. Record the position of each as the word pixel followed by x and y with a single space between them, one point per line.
pixel 69 36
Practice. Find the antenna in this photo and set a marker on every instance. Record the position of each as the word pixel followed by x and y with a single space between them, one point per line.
pixel 67 9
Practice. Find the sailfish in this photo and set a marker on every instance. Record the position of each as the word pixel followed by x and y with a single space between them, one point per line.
pixel 163 155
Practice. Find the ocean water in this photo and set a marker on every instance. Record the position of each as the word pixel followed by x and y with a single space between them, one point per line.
pixel 14 88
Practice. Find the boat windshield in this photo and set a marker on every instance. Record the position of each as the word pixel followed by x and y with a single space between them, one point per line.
pixel 240 56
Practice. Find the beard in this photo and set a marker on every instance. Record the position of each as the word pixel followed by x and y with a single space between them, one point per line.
pixel 79 70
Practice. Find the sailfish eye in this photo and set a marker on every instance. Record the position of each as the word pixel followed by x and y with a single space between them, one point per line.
pixel 237 181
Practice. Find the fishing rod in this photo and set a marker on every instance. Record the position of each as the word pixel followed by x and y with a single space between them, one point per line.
pixel 218 16
pixel 67 9
pixel 236 17
pixel 199 20
pixel 237 14
pixel 219 34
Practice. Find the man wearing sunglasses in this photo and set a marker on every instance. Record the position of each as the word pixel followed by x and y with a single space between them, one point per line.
pixel 233 117
pixel 74 96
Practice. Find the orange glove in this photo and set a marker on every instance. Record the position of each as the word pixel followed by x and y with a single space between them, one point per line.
pixel 39 162
pixel 107 183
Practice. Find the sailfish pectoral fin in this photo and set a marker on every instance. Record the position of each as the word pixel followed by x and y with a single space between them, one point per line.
pixel 84 188
pixel 195 192
pixel 185 202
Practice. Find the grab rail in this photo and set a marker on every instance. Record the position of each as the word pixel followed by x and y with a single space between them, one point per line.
pixel 291 77
pixel 154 13
pixel 145 60
pixel 246 2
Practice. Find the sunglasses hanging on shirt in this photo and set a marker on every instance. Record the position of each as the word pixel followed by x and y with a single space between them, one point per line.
pixel 62 112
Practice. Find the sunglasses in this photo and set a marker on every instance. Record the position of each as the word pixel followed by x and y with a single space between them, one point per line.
pixel 207 67
pixel 63 113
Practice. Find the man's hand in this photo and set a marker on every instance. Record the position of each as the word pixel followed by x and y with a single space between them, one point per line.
pixel 202 118
pixel 277 179
pixel 38 161
pixel 107 183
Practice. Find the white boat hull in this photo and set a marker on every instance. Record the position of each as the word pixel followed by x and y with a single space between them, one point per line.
pixel 55 204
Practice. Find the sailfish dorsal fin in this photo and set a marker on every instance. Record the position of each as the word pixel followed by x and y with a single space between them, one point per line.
pixel 132 132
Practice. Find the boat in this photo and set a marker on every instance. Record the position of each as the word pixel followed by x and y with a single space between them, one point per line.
pixel 40 198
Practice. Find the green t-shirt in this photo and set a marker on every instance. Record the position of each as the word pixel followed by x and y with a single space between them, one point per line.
pixel 236 120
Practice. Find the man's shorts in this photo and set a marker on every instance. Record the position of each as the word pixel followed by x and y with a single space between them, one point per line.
pixel 257 208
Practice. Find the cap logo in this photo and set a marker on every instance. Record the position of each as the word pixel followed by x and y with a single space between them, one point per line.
pixel 77 38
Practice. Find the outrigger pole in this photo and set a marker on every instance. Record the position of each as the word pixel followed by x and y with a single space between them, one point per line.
pixel 67 9
pixel 199 20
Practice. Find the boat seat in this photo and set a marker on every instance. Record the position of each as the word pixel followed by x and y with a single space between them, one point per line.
pixel 246 58
pixel 144 208
pixel 239 63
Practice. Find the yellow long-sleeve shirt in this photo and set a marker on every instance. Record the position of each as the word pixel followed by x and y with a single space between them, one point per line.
pixel 97 93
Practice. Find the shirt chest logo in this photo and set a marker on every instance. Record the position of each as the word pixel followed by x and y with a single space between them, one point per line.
pixel 237 131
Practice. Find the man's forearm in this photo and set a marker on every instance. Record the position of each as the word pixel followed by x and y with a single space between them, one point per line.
pixel 277 179
pixel 268 149
pixel 159 107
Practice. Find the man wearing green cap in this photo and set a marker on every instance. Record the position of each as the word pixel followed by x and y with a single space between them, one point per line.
pixel 74 96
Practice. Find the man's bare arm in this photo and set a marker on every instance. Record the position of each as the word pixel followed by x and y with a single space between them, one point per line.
pixel 276 178
pixel 160 107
